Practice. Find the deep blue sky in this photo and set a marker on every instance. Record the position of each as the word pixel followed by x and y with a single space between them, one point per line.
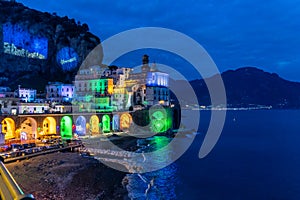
pixel 235 33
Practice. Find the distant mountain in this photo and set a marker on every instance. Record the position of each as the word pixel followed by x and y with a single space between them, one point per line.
pixel 37 47
pixel 250 86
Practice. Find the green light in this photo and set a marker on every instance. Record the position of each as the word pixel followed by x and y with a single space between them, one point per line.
pixel 161 142
pixel 161 120
pixel 66 127
pixel 106 123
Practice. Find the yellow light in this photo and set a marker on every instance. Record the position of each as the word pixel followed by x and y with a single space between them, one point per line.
pixel 110 86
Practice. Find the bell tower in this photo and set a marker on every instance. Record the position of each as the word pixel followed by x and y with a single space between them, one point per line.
pixel 145 60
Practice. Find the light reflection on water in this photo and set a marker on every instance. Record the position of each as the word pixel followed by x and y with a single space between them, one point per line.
pixel 257 157
pixel 158 184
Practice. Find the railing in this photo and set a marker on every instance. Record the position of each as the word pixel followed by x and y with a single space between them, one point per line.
pixel 9 189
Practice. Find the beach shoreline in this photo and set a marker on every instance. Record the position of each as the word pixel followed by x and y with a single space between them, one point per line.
pixel 66 175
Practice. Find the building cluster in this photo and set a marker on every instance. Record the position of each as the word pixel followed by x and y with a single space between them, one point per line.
pixel 95 89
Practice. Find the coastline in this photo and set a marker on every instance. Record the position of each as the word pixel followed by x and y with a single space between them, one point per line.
pixel 68 176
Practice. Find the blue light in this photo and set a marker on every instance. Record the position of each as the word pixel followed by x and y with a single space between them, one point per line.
pixel 20 42
pixel 67 58
pixel 157 79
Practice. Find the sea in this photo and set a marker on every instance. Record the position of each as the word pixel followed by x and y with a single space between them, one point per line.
pixel 256 157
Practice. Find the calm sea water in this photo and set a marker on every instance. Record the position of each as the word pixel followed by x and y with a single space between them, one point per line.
pixel 256 157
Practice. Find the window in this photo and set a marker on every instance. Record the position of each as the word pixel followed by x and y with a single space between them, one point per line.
pixel 67 89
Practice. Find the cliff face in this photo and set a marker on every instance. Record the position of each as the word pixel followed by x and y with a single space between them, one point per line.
pixel 38 47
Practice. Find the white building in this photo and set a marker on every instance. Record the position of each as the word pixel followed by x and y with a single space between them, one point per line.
pixel 59 92
pixel 157 91
pixel 30 108
pixel 26 95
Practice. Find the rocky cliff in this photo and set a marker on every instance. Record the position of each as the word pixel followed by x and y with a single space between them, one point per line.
pixel 37 47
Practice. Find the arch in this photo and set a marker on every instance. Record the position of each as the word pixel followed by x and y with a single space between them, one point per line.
pixel 81 125
pixel 94 124
pixel 66 127
pixel 116 123
pixel 160 120
pixel 29 126
pixel 105 124
pixel 8 128
pixel 125 121
pixel 49 126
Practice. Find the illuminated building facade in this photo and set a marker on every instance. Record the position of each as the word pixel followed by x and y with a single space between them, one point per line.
pixel 102 97
pixel 93 91
pixel 150 86
pixel 30 108
pixel 59 92
pixel 106 89
pixel 26 95
pixel 120 97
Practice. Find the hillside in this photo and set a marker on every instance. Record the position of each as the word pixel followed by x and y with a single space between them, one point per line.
pixel 250 86
pixel 37 47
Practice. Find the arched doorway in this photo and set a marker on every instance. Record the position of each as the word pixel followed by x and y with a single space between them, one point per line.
pixel 160 120
pixel 81 125
pixel 94 124
pixel 106 124
pixel 66 127
pixel 49 126
pixel 116 123
pixel 8 128
pixel 29 126
pixel 125 121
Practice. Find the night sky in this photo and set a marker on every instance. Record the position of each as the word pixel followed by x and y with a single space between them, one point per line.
pixel 236 33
